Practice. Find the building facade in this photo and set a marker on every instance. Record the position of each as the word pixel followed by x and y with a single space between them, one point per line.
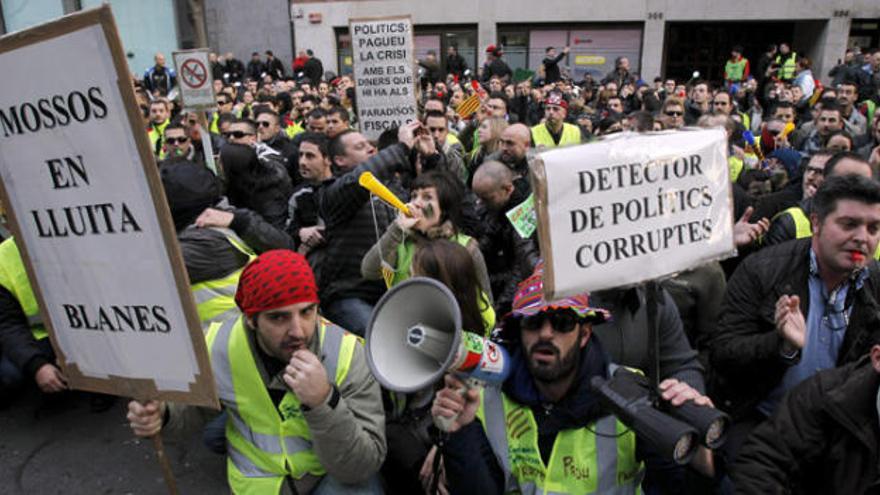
pixel 660 37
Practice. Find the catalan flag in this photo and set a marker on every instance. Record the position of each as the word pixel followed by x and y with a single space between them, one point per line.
pixel 467 107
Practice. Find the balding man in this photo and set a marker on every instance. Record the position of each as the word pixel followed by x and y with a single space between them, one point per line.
pixel 509 257
pixel 158 79
pixel 515 143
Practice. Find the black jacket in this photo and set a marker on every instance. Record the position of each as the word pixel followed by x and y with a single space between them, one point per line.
pixel 313 70
pixel 498 68
pixel 824 438
pixel 510 259
pixel 455 64
pixel 551 68
pixel 350 232
pixel 257 179
pixel 745 352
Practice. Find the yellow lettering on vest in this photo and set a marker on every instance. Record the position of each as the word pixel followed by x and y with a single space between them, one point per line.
pixel 580 473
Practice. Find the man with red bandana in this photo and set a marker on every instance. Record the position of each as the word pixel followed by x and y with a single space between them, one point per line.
pixel 303 409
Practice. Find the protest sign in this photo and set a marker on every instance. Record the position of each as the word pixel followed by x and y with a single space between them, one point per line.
pixel 90 217
pixel 632 208
pixel 194 78
pixel 383 72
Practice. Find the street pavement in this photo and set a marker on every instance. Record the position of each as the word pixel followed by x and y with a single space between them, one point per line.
pixel 63 447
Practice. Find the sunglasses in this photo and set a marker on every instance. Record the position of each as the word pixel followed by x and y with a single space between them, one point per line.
pixel 236 134
pixel 563 321
pixel 673 114
pixel 179 140
pixel 263 123
pixel 222 102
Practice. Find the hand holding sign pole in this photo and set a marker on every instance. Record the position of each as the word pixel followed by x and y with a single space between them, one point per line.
pixel 111 289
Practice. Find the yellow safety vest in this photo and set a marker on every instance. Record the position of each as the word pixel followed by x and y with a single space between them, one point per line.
pixel 265 443
pixel 598 458
pixel 156 134
pixel 803 227
pixel 13 278
pixel 215 299
pixel 293 130
pixel 734 71
pixel 571 135
pixel 735 165
pixel 787 68
pixel 214 128
pixel 406 252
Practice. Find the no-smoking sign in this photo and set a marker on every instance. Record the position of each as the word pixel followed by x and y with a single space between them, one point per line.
pixel 193 76
pixel 193 73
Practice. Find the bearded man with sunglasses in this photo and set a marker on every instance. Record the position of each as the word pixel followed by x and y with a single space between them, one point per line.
pixel 544 430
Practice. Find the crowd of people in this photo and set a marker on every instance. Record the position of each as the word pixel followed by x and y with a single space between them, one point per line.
pixel 288 255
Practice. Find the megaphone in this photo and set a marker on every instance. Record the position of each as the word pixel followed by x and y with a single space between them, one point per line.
pixel 415 336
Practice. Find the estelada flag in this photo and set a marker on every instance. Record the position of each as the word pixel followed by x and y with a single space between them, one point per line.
pixel 467 107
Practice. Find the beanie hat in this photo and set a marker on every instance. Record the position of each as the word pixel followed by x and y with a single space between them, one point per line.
pixel 275 279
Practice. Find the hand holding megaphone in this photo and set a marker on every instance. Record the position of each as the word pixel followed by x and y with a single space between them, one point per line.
pixel 455 405
pixel 415 337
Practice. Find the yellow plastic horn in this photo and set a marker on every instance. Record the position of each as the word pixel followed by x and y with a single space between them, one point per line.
pixel 787 129
pixel 369 182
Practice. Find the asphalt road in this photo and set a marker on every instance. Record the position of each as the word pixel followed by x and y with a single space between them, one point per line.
pixel 65 448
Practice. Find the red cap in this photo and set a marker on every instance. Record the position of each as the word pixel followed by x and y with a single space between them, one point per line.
pixel 273 280
pixel 490 49
pixel 556 99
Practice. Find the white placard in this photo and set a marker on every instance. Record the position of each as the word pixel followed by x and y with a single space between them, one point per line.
pixel 194 78
pixel 632 208
pixel 90 217
pixel 383 71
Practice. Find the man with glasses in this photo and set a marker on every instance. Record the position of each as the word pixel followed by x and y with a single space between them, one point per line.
pixel 673 113
pixel 799 307
pixel 794 222
pixel 269 131
pixel 224 105
pixel 241 131
pixel 177 144
pixel 530 434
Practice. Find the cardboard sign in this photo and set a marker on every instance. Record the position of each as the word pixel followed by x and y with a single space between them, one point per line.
pixel 383 71
pixel 194 78
pixel 632 208
pixel 90 216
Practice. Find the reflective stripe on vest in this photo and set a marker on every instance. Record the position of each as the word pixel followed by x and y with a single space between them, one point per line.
pixel 581 462
pixel 13 278
pixel 571 135
pixel 215 299
pixel 263 448
pixel 156 134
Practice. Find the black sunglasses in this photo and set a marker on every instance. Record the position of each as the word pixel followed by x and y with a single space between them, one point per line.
pixel 563 320
pixel 673 114
pixel 236 134
pixel 178 140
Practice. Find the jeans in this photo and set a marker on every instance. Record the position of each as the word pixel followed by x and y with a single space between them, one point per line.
pixel 352 314
pixel 332 486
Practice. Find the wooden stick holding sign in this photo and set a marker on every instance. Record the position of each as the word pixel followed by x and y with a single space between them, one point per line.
pixel 90 218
